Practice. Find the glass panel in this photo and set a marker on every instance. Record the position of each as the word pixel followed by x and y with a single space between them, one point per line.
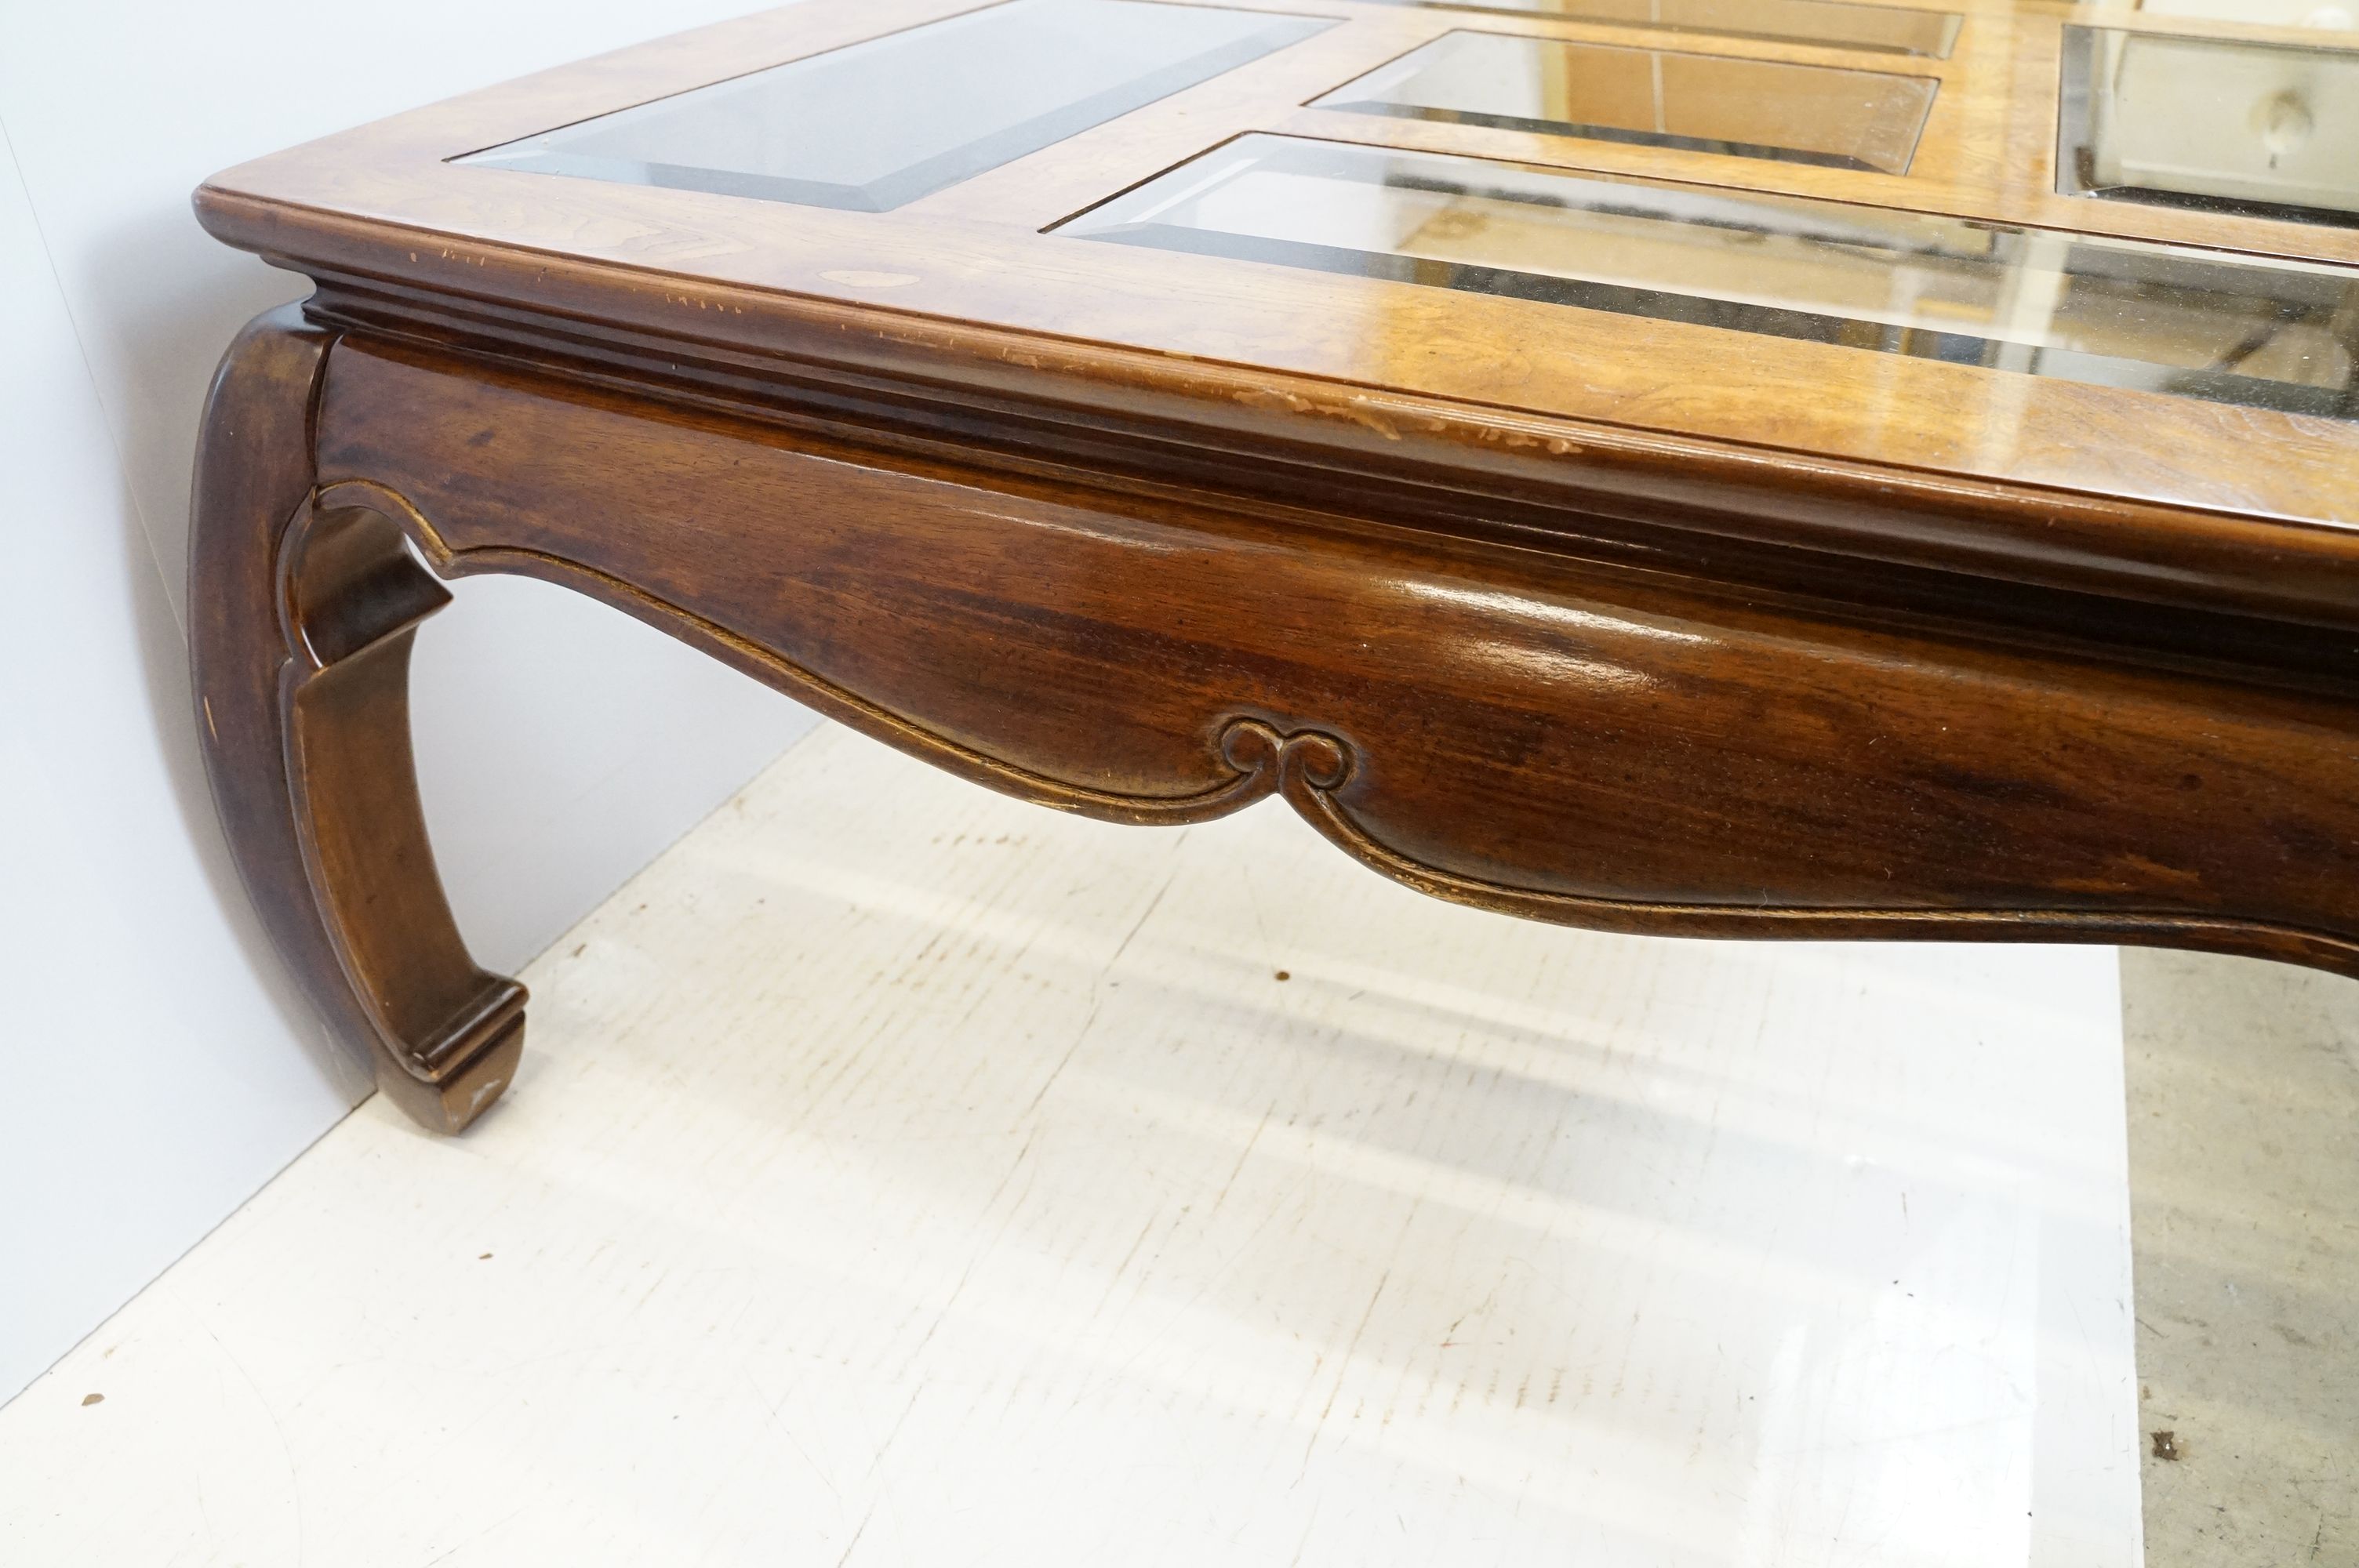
pixel 1840 23
pixel 1801 114
pixel 880 124
pixel 2114 312
pixel 2265 130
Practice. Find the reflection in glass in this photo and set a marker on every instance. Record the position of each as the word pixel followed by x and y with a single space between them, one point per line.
pixel 879 124
pixel 2265 130
pixel 1843 24
pixel 2280 335
pixel 1801 114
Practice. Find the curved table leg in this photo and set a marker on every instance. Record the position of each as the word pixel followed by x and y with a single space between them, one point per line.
pixel 301 619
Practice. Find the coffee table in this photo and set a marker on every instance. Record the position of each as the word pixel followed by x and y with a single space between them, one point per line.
pixel 1714 468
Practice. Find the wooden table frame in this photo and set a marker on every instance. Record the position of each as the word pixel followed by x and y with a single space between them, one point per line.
pixel 1750 665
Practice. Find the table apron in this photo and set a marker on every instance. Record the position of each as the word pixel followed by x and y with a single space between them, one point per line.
pixel 1495 726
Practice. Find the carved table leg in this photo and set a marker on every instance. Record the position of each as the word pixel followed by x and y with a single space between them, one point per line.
pixel 300 623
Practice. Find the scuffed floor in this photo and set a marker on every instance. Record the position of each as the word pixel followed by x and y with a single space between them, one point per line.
pixel 901 1176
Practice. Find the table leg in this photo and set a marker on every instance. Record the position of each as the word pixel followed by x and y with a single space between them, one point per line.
pixel 301 619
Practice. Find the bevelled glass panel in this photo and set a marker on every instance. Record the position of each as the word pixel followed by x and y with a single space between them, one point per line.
pixel 876 125
pixel 2281 335
pixel 1800 113
pixel 2225 125
pixel 1842 24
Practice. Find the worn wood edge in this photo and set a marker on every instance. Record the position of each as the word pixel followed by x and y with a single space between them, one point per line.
pixel 2286 568
pixel 1306 766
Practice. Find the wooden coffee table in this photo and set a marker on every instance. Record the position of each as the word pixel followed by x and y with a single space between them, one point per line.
pixel 1728 467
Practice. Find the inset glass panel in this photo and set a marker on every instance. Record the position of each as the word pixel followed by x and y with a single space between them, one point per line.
pixel 2281 335
pixel 1801 114
pixel 877 124
pixel 2261 130
pixel 1839 23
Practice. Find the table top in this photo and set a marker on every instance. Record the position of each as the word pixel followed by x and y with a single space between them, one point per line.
pixel 2086 263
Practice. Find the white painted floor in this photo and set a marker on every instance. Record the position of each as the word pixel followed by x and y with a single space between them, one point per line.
pixel 901 1176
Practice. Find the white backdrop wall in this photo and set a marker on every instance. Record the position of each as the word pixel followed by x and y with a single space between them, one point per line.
pixel 158 1065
